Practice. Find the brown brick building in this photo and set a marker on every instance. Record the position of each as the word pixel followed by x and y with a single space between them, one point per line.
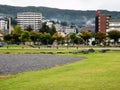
pixel 101 21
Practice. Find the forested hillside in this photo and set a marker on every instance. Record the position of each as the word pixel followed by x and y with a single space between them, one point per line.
pixel 70 16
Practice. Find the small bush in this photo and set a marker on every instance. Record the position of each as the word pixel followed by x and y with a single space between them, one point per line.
pixel 85 51
pixel 60 52
pixel 91 50
pixel 104 50
pixel 7 52
pixel 50 53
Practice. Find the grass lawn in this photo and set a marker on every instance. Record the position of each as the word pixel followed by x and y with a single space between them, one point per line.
pixel 99 71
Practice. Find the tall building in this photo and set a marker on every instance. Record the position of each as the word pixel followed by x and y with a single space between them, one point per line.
pixel 32 19
pixel 3 25
pixel 101 21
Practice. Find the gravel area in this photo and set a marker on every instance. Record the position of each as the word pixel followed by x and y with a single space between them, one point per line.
pixel 15 63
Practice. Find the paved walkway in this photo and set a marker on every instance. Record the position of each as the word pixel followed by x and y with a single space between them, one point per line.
pixel 14 63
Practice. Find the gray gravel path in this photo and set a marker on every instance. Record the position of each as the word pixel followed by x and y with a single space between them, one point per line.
pixel 14 63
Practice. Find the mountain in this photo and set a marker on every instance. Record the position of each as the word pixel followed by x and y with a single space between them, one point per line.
pixel 70 16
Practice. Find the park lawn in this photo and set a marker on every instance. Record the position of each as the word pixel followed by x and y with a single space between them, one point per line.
pixel 24 49
pixel 14 46
pixel 99 71
pixel 34 51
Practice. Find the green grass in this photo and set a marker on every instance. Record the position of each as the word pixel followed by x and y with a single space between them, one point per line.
pixel 17 49
pixel 99 71
pixel 37 51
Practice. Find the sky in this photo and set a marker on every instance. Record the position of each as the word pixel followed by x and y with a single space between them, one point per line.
pixel 111 5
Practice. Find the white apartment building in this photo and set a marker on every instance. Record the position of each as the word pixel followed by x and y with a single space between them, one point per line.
pixel 114 25
pixel 68 30
pixel 32 19
pixel 3 25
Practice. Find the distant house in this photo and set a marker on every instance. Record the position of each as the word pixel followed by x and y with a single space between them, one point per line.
pixel 59 28
pixel 68 29
pixel 49 24
pixel 90 28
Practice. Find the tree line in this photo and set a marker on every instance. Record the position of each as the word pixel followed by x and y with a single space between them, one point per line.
pixel 48 35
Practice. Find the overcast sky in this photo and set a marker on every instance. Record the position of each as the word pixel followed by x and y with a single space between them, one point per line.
pixel 111 5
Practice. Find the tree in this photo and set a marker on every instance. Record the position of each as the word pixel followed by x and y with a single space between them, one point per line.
pixel 40 35
pixel 16 34
pixel 17 30
pixel 57 37
pixel 25 36
pixel 47 29
pixel 46 39
pixel 29 28
pixel 67 39
pixel 100 37
pixel 72 37
pixel 114 34
pixel 52 30
pixel 85 35
pixel 34 36
pixel 44 28
pixel 13 22
pixel 15 39
pixel 7 38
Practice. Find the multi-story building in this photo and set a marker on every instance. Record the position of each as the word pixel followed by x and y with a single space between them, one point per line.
pixel 114 25
pixel 68 30
pixel 32 19
pixel 101 21
pixel 3 25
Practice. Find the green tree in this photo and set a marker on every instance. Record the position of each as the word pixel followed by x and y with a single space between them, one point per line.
pixel 46 39
pixel 8 38
pixel 25 36
pixel 16 34
pixel 29 28
pixel 57 37
pixel 73 37
pixel 44 28
pixel 13 22
pixel 114 34
pixel 67 39
pixel 100 37
pixel 17 30
pixel 86 35
pixel 34 36
pixel 40 36
pixel 52 30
